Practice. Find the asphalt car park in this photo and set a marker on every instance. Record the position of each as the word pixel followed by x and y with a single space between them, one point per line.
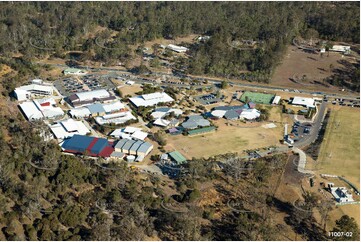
pixel 300 130
pixel 70 85
pixel 208 99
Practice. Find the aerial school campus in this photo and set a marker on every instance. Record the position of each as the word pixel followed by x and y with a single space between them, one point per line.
pixel 143 136
pixel 87 116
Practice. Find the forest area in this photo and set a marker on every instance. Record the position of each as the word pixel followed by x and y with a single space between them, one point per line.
pixel 47 195
pixel 56 28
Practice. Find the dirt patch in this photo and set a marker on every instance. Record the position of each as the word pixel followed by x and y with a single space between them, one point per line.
pixel 291 175
pixel 130 90
pixel 298 63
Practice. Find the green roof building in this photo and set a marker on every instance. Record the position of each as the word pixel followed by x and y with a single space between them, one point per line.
pixel 201 130
pixel 256 97
pixel 177 157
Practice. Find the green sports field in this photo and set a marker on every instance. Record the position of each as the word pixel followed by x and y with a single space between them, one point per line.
pixel 256 97
pixel 340 149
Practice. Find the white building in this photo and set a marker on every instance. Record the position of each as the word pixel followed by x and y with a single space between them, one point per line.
pixel 97 109
pixel 341 194
pixel 41 109
pixel 161 112
pixel 115 118
pixel 276 100
pixel 250 114
pixel 304 101
pixel 176 48
pixel 26 92
pixel 161 122
pixel 67 128
pixel 341 48
pixel 218 113
pixel 86 98
pixel 152 99
pixel 130 133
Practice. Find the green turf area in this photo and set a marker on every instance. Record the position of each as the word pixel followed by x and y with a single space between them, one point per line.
pixel 256 97
pixel 340 149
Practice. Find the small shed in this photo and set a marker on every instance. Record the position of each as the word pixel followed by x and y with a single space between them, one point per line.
pixel 177 157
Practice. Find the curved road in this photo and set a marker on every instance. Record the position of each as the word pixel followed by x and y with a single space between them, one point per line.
pixel 316 126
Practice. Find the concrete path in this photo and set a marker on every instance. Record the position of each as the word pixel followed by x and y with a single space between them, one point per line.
pixel 302 161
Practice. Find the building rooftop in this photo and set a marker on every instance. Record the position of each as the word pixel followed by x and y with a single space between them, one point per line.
pixel 161 122
pixel 304 101
pixel 117 154
pixel 121 143
pixel 136 145
pixel 151 99
pixel 33 87
pixel 96 108
pixel 68 128
pixel 250 114
pixel 84 96
pixel 41 108
pixel 144 147
pixel 195 121
pixel 226 108
pixel 128 144
pixel 201 130
pixel 231 114
pixel 178 157
pixel 139 135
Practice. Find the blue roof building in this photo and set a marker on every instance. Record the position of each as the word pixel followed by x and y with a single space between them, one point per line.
pixel 99 146
pixel 77 143
pixel 96 108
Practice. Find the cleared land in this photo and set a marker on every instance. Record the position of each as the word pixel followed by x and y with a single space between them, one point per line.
pixel 340 154
pixel 340 149
pixel 130 90
pixel 298 62
pixel 225 139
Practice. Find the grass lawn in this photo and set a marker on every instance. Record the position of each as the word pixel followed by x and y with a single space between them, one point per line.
pixel 340 149
pixel 225 139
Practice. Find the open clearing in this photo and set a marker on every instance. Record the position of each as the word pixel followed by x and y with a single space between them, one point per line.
pixel 298 62
pixel 340 149
pixel 130 90
pixel 225 139
pixel 340 153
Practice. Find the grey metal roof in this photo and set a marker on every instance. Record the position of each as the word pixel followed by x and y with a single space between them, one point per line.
pixel 203 122
pixel 117 154
pixel 144 147
pixel 194 121
pixel 231 114
pixel 136 145
pixel 96 108
pixel 128 144
pixel 121 143
pixel 225 108
pixel 189 125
